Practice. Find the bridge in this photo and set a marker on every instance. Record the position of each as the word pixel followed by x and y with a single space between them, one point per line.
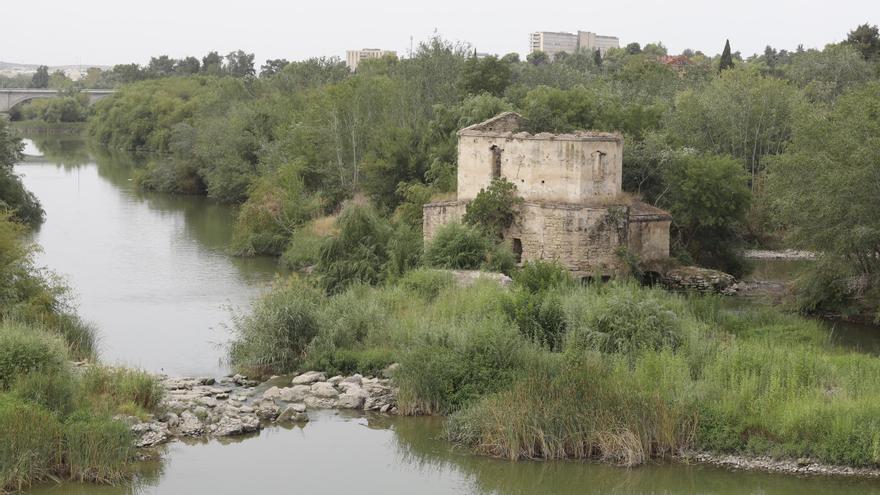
pixel 11 97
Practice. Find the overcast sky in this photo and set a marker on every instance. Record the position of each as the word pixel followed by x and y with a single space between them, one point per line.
pixel 107 32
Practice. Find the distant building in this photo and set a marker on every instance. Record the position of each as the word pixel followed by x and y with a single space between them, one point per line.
pixel 677 62
pixel 552 43
pixel 354 57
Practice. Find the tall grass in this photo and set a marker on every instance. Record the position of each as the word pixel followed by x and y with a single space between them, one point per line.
pixel 24 349
pixel 30 443
pixel 98 449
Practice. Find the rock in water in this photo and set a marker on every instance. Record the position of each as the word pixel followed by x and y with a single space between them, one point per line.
pixel 309 378
pixel 229 426
pixel 296 393
pixel 324 390
pixel 294 412
pixel 190 425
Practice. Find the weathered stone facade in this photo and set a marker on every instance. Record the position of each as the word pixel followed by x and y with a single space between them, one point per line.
pixel 573 209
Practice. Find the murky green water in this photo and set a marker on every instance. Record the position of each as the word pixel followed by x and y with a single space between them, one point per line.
pixel 151 272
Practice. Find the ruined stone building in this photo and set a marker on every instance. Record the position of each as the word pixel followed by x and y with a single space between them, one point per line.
pixel 573 207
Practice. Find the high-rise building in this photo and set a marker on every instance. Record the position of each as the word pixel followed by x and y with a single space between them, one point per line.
pixel 552 43
pixel 354 57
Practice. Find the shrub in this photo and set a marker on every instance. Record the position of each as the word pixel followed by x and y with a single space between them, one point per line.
pixel 113 388
pixel 277 205
pixel 273 337
pixel 30 443
pixel 26 350
pixel 426 283
pixel 170 175
pixel 538 276
pixel 457 246
pixel 303 250
pixel 404 250
pixel 457 365
pixel 98 449
pixel 493 209
pixel 500 258
pixel 357 253
pixel 539 317
pixel 54 391
pixel 617 322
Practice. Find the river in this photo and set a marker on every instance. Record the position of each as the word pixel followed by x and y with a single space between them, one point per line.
pixel 151 271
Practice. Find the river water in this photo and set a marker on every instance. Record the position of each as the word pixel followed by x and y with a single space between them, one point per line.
pixel 151 272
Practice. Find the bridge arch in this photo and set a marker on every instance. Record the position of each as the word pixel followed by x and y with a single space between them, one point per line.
pixel 9 98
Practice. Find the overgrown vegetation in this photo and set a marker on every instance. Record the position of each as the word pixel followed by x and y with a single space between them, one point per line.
pixel 56 422
pixel 552 369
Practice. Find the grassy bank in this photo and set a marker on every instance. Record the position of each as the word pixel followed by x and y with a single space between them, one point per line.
pixel 56 420
pixel 552 369
pixel 41 127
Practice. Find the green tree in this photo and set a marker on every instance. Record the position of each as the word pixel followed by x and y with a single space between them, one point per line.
pixel 865 39
pixel 357 253
pixel 161 66
pixel 487 74
pixel 597 58
pixel 14 198
pixel 40 79
pixel 239 64
pixel 537 57
pixel 493 210
pixel 827 189
pixel 212 63
pixel 708 197
pixel 726 61
pixel 633 48
pixel 740 113
pixel 187 66
pixel 272 67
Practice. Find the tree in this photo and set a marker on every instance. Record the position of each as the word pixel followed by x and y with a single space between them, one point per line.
pixel 826 183
pixel 537 57
pixel 865 39
pixel 827 74
pixel 488 74
pixel 272 67
pixel 240 64
pixel 127 73
pixel 633 48
pixel 40 78
pixel 187 66
pixel 740 113
pixel 726 61
pixel 708 197
pixel 357 253
pixel 511 58
pixel 14 198
pixel 212 63
pixel 161 66
pixel 597 58
pixel 493 210
pixel 654 50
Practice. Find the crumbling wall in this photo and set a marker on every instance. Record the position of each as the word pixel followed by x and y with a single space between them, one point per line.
pixel 583 239
pixel 436 215
pixel 648 239
pixel 568 168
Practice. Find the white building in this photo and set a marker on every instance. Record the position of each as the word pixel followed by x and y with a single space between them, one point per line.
pixel 552 43
pixel 354 57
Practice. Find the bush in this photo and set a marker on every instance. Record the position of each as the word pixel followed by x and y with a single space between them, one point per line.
pixel 171 175
pixel 26 350
pixel 273 338
pixel 539 317
pixel 500 258
pixel 458 247
pixel 303 250
pixel 426 283
pixel 493 209
pixel 114 388
pixel 456 366
pixel 98 449
pixel 404 250
pixel 357 253
pixel 30 443
pixel 277 206
pixel 538 276
pixel 54 391
pixel 617 322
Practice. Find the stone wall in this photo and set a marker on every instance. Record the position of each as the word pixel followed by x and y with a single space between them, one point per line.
pixel 583 239
pixel 435 215
pixel 563 168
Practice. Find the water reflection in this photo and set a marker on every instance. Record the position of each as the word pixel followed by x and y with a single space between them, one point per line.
pixel 342 453
pixel 151 270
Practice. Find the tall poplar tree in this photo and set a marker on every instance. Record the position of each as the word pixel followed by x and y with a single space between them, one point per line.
pixel 726 58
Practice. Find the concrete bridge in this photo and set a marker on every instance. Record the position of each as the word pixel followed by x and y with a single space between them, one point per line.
pixel 11 97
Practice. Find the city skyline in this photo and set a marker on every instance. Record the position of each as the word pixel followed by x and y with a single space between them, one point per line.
pixel 297 32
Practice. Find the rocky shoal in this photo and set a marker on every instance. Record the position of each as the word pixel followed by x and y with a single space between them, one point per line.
pixel 236 405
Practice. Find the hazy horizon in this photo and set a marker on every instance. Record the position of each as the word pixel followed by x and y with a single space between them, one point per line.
pixel 100 32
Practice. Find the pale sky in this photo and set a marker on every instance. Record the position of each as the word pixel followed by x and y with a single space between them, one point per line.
pixel 107 32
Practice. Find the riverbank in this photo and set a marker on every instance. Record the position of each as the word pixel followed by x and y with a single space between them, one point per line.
pixel 42 128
